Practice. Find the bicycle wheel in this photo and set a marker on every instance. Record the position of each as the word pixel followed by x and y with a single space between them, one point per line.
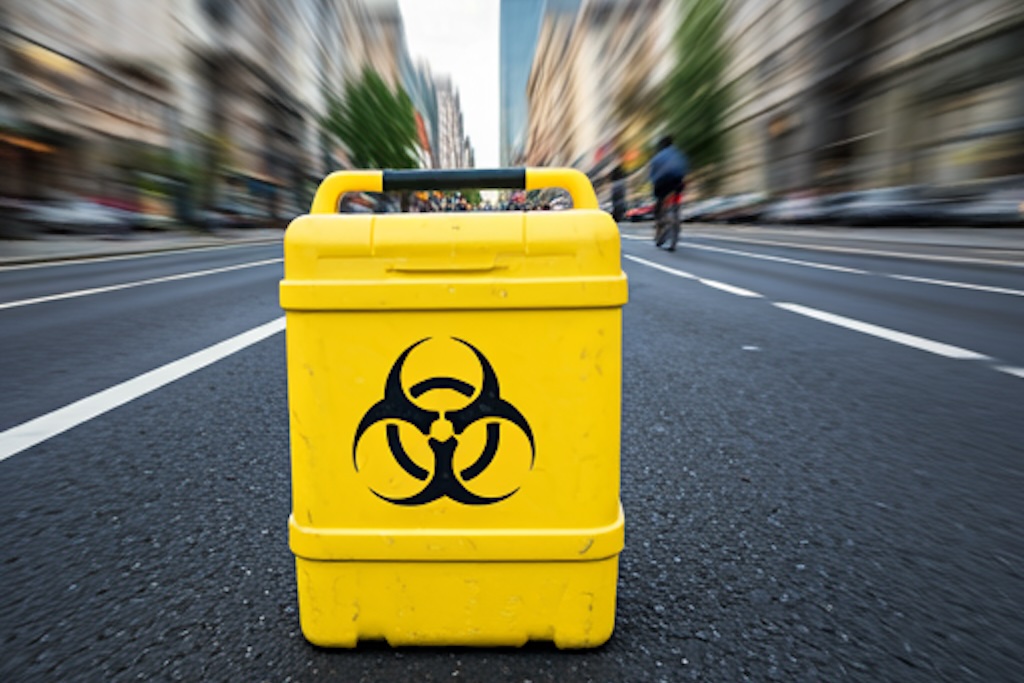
pixel 673 227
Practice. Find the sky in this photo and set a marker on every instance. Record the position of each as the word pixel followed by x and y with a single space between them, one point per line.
pixel 459 38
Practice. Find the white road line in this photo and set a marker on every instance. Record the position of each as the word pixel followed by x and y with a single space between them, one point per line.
pixel 885 333
pixel 856 250
pixel 780 259
pixel 903 338
pixel 33 432
pixel 138 283
pixel 683 274
pixel 961 285
pixel 126 257
pixel 658 266
pixel 636 237
pixel 855 271
pixel 738 291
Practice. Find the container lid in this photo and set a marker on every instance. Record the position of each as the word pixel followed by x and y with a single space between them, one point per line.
pixel 445 261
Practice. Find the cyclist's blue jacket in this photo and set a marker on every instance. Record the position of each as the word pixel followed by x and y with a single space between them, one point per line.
pixel 668 164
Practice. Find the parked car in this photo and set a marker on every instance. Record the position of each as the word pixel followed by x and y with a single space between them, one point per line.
pixel 1004 207
pixel 641 211
pixel 153 221
pixel 742 208
pixel 69 215
pixel 889 206
pixel 802 210
pixel 790 210
pixel 689 210
pixel 701 210
pixel 15 224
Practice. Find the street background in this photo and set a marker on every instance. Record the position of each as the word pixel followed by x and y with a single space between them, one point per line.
pixel 823 387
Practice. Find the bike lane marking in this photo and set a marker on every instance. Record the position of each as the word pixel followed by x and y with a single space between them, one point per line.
pixel 860 251
pixel 960 285
pixel 902 338
pixel 658 266
pixel 738 291
pixel 715 284
pixel 857 271
pixel 35 431
pixel 844 269
pixel 781 259
pixel 138 283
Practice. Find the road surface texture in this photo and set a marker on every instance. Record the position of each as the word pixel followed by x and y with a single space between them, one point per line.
pixel 822 471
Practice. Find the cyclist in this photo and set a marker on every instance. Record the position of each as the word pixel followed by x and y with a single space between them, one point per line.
pixel 668 169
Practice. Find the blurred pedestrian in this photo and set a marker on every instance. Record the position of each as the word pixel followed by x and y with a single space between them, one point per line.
pixel 618 177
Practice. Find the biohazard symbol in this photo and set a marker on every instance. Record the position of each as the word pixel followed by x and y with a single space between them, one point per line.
pixel 442 429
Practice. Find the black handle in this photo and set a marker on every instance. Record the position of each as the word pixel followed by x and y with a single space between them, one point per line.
pixel 456 179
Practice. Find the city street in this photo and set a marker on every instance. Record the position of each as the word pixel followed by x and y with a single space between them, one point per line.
pixel 822 470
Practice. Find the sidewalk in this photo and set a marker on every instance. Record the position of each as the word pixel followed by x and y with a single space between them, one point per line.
pixel 47 247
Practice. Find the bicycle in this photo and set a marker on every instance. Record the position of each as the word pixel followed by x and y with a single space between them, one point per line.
pixel 667 224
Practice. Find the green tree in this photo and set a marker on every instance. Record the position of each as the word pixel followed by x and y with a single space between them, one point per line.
pixel 376 125
pixel 696 96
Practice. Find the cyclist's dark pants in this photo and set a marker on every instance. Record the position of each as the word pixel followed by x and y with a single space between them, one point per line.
pixel 662 190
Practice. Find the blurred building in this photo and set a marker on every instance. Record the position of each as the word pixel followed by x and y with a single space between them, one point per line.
pixel 826 94
pixel 520 23
pixel 845 94
pixel 383 39
pixel 597 65
pixel 422 89
pixel 207 102
pixel 252 92
pixel 550 94
pixel 453 147
pixel 85 96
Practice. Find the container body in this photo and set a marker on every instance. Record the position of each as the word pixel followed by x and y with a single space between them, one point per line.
pixel 454 396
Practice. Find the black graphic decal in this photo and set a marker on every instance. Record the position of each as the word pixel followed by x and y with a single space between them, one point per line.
pixel 441 383
pixel 486 405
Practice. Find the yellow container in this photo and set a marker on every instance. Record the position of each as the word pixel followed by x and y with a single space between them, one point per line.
pixel 454 389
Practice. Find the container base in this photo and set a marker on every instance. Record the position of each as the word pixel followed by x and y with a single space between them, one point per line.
pixel 476 604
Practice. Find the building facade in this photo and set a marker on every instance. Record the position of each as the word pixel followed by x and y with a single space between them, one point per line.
pixel 215 101
pixel 453 147
pixel 520 25
pixel 837 94
pixel 825 95
pixel 595 72
pixel 81 94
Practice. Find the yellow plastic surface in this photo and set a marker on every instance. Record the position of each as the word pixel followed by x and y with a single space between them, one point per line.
pixel 574 182
pixel 520 544
pixel 455 603
pixel 340 182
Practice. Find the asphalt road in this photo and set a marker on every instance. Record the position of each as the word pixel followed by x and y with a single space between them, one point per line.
pixel 821 473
